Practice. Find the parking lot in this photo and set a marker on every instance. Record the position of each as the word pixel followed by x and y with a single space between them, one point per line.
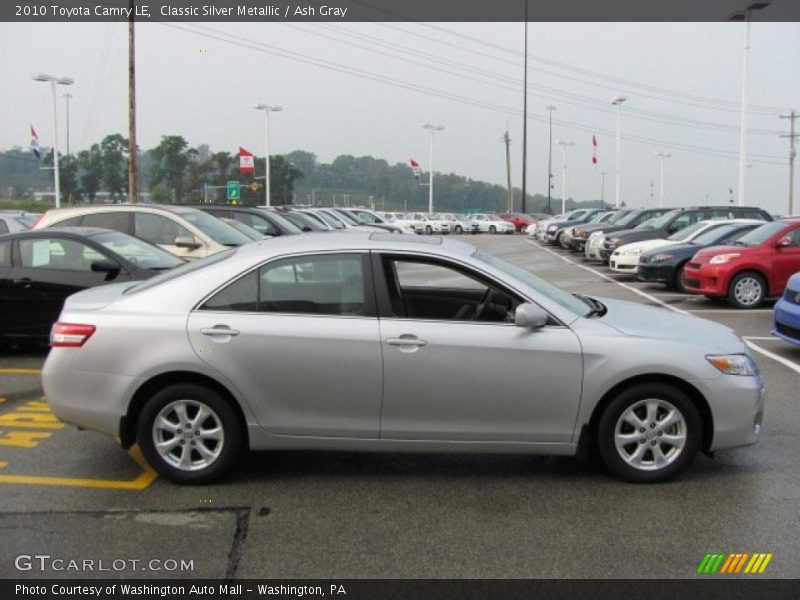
pixel 343 515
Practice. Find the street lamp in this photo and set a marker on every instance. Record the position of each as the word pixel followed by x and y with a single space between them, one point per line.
pixel 550 109
pixel 618 103
pixel 431 127
pixel 564 145
pixel 53 80
pixel 662 156
pixel 746 16
pixel 67 98
pixel 268 177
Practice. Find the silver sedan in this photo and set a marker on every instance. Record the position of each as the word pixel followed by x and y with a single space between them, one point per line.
pixel 398 343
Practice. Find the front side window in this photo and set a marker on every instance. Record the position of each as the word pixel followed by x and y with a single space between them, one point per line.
pixel 159 230
pixel 316 285
pixel 57 253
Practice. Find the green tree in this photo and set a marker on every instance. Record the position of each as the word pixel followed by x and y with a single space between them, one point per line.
pixel 114 178
pixel 171 160
pixel 90 173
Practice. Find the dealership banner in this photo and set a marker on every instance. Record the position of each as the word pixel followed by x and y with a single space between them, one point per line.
pixel 333 11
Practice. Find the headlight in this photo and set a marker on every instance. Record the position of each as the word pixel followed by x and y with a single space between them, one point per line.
pixel 614 242
pixel 579 233
pixel 661 258
pixel 552 228
pixel 734 364
pixel 720 259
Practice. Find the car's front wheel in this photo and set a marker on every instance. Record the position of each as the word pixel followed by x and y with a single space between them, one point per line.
pixel 189 433
pixel 747 290
pixel 428 229
pixel 680 279
pixel 459 229
pixel 492 229
pixel 649 433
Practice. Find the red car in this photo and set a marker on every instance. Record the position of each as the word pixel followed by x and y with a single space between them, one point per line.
pixel 519 220
pixel 754 267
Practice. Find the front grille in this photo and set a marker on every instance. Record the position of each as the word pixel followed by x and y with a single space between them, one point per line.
pixel 693 283
pixel 791 332
pixel 694 265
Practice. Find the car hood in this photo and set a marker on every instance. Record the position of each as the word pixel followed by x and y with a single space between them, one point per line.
pixel 646 245
pixel 628 236
pixel 713 250
pixel 639 320
pixel 679 250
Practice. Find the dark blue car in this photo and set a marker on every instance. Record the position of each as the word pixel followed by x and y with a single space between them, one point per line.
pixel 787 312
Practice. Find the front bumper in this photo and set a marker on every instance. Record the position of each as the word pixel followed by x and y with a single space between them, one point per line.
pixel 706 279
pixel 593 247
pixel 624 263
pixel 787 320
pixel 656 273
pixel 737 409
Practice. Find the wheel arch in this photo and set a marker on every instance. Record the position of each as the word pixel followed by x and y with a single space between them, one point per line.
pixel 758 270
pixel 127 427
pixel 694 394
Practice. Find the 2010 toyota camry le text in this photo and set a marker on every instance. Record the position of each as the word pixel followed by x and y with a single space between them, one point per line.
pixel 377 341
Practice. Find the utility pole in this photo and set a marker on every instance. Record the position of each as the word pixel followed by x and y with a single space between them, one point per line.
pixel 550 109
pixel 431 127
pixel 792 153
pixel 564 145
pixel 602 189
pixel 507 141
pixel 662 156
pixel 67 97
pixel 618 103
pixel 525 116
pixel 133 188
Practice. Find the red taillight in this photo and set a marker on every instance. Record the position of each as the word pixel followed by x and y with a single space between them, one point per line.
pixel 36 221
pixel 70 335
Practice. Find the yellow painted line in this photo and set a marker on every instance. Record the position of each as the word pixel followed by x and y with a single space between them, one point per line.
pixel 766 562
pixel 142 482
pixel 741 562
pixel 20 371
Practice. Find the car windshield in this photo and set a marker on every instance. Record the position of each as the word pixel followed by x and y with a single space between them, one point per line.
pixel 649 224
pixel 348 218
pixel 713 235
pixel 556 294
pixel 136 251
pixel 26 220
pixel 367 217
pixel 617 217
pixel 627 218
pixel 303 222
pixel 759 235
pixel 329 219
pixel 687 232
pixel 664 220
pixel 598 218
pixel 217 230
pixel 184 269
pixel 574 215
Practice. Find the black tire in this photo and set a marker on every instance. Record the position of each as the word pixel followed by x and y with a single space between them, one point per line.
pixel 231 444
pixel 492 229
pixel 680 278
pixel 690 427
pixel 459 230
pixel 747 290
pixel 428 230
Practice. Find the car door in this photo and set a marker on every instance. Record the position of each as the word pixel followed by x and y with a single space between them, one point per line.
pixel 299 338
pixel 455 372
pixel 48 269
pixel 6 320
pixel 785 260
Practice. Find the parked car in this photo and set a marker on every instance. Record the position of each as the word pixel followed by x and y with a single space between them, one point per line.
pixel 368 217
pixel 625 259
pixel 39 269
pixel 344 221
pixel 180 230
pixel 12 221
pixel 786 314
pixel 555 229
pixel 666 265
pixel 459 223
pixel 491 223
pixel 519 220
pixel 251 233
pixel 600 218
pixel 251 355
pixel 427 224
pixel 591 237
pixel 754 267
pixel 677 219
pixel 265 220
pixel 541 226
pixel 303 221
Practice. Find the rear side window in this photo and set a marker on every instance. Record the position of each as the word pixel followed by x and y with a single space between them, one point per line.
pixel 686 219
pixel 317 285
pixel 110 220
pixel 5 254
pixel 720 213
pixel 57 253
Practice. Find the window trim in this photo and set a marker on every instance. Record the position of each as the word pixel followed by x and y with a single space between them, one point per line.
pixel 370 300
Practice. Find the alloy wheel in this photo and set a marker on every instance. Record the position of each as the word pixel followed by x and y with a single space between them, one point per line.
pixel 650 434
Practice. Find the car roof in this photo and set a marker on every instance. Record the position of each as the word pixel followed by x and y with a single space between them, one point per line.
pixel 50 231
pixel 88 208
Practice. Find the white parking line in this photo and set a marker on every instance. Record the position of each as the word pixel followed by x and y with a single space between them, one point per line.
pixel 732 310
pixel 784 361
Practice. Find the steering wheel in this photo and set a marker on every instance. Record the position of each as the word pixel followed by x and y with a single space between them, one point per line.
pixel 484 302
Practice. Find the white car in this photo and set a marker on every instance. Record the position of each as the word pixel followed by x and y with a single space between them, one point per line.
pixel 427 224
pixel 625 259
pixel 541 226
pixel 492 224
pixel 593 246
pixel 459 223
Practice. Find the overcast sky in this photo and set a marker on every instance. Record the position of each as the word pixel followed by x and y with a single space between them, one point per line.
pixel 683 83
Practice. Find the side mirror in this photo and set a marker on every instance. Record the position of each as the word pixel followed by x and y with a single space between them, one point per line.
pixel 783 242
pixel 107 266
pixel 187 242
pixel 672 229
pixel 530 316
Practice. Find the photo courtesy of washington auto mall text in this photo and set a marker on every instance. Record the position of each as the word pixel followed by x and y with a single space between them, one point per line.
pixel 399 299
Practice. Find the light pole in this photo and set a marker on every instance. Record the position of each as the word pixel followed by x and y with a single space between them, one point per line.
pixel 268 179
pixel 662 156
pixel 745 15
pixel 67 97
pixel 550 110
pixel 564 145
pixel 53 80
pixel 431 127
pixel 618 103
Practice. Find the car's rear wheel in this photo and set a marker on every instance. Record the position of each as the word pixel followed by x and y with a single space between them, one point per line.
pixel 492 229
pixel 459 230
pixel 747 290
pixel 649 433
pixel 428 229
pixel 189 433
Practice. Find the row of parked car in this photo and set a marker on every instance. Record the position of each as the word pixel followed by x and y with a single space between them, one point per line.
pixel 740 254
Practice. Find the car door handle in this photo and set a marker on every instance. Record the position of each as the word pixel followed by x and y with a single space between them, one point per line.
pixel 25 281
pixel 406 341
pixel 219 331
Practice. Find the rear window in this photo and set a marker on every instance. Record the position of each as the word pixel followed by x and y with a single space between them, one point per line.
pixel 185 269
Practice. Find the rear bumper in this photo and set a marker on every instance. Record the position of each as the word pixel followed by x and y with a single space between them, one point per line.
pixel 656 273
pixel 787 321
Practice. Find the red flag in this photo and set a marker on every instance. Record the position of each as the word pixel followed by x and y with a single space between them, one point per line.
pixel 414 164
pixel 594 150
pixel 246 161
